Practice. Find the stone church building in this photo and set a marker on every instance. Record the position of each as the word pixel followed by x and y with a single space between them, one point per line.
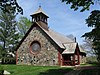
pixel 42 46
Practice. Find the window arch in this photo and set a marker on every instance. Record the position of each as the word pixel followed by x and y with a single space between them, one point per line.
pixel 35 47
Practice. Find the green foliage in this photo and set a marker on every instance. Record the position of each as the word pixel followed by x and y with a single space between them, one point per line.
pixel 1 70
pixel 8 32
pixel 23 25
pixel 6 4
pixel 94 35
pixel 76 4
pixel 91 59
pixel 2 52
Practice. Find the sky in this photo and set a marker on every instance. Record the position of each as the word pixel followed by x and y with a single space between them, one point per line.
pixel 61 18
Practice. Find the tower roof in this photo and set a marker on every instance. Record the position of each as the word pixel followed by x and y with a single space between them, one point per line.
pixel 39 11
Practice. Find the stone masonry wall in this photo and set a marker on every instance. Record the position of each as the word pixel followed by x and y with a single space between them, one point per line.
pixel 47 56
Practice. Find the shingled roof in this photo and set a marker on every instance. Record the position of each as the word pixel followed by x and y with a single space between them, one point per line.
pixel 70 48
pixel 62 41
pixel 58 38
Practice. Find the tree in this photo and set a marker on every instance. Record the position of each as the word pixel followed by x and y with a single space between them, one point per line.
pixel 93 21
pixel 94 35
pixel 23 25
pixel 83 4
pixel 2 52
pixel 8 32
pixel 4 4
pixel 87 45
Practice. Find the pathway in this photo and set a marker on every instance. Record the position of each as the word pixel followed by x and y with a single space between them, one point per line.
pixel 78 69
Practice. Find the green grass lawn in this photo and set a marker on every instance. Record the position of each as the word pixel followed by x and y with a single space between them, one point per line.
pixel 44 70
pixel 35 70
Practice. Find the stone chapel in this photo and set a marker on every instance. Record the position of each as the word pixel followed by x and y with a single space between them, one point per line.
pixel 42 46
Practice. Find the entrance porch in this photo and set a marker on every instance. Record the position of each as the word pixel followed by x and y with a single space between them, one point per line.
pixel 70 60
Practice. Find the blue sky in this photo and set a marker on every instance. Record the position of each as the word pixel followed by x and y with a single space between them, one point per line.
pixel 61 18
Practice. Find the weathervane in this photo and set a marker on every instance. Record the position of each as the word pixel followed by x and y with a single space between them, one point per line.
pixel 40 5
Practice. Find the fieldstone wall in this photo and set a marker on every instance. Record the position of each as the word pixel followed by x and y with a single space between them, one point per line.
pixel 47 56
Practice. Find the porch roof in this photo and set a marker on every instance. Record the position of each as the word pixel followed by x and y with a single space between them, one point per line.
pixel 70 48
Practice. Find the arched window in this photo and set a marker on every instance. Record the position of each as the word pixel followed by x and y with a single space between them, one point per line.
pixel 35 46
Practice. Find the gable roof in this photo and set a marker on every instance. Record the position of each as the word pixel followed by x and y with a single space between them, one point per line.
pixel 70 48
pixel 62 41
pixel 58 38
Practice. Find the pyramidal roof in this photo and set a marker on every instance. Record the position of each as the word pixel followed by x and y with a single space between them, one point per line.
pixel 39 11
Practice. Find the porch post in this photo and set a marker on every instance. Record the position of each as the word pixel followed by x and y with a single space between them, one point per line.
pixel 74 59
pixel 59 59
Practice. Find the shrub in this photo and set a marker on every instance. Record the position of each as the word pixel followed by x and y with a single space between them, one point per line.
pixel 8 60
pixel 92 59
pixel 1 70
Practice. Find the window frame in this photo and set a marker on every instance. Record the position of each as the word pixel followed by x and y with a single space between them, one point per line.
pixel 35 51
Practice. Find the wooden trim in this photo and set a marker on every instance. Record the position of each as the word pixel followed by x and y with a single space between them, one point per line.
pixel 35 52
pixel 35 24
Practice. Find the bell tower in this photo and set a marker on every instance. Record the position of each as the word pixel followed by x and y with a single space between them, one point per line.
pixel 40 17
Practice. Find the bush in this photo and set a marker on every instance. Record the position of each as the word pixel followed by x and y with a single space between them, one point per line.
pixel 8 60
pixel 1 70
pixel 91 59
